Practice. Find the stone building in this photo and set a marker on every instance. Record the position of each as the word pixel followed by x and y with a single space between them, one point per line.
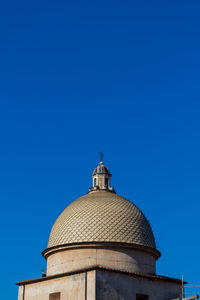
pixel 101 247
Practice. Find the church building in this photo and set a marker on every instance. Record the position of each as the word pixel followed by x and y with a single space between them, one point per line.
pixel 101 247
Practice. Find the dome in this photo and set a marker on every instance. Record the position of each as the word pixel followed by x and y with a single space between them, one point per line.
pixel 101 169
pixel 101 216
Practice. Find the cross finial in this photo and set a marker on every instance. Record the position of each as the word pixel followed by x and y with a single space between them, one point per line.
pixel 101 154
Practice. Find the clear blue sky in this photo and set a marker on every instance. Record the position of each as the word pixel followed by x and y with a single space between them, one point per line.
pixel 77 77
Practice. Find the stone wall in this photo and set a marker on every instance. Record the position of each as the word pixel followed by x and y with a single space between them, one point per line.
pixel 100 285
pixel 120 286
pixel 132 260
pixel 71 287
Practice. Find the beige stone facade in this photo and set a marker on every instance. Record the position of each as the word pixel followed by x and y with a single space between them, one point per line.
pixel 119 257
pixel 116 285
pixel 70 287
pixel 99 283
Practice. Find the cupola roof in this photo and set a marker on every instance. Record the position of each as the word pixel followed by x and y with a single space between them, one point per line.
pixel 101 169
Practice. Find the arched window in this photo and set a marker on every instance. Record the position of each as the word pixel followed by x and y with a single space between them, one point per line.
pixel 95 182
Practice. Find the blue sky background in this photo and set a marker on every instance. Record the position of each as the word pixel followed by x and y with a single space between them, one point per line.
pixel 77 77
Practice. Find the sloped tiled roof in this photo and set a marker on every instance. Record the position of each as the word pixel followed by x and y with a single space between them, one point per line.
pixel 105 268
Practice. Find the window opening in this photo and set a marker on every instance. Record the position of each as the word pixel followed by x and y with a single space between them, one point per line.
pixel 106 182
pixel 54 296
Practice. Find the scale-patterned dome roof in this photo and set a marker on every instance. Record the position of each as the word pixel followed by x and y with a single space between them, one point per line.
pixel 101 216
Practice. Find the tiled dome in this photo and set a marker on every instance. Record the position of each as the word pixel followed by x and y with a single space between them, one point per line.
pixel 101 216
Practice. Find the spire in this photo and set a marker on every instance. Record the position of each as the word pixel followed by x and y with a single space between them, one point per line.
pixel 101 177
pixel 101 155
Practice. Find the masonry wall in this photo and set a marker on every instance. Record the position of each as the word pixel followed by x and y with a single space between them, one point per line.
pixel 119 286
pixel 100 285
pixel 74 287
pixel 132 260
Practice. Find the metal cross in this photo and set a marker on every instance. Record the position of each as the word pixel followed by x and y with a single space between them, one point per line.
pixel 101 154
